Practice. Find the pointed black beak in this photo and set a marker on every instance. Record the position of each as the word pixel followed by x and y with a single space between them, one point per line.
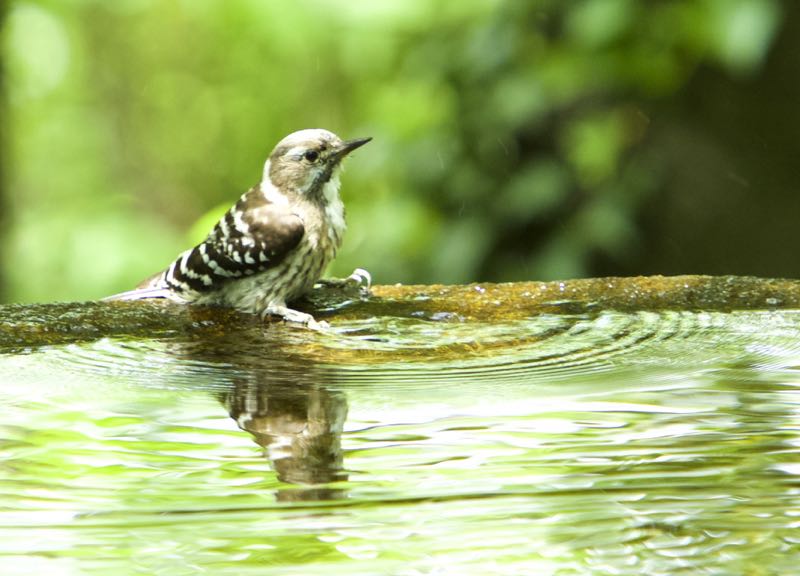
pixel 349 145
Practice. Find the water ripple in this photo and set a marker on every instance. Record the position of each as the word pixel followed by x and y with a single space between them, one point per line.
pixel 416 352
pixel 649 442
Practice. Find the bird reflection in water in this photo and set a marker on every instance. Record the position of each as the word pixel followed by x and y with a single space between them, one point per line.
pixel 277 396
pixel 299 424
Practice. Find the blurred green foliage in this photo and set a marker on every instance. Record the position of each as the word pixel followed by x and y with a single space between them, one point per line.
pixel 512 140
pixel 4 220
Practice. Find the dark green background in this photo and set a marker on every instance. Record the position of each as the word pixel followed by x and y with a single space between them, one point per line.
pixel 512 140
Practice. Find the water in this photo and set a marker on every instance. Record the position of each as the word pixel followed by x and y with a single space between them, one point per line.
pixel 601 442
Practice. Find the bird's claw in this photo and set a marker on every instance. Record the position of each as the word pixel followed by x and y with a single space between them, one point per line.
pixel 361 278
pixel 295 317
pixel 318 325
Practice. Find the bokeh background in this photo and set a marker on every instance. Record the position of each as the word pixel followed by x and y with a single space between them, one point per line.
pixel 516 140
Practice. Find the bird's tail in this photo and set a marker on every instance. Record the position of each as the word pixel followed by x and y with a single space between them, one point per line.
pixel 141 294
pixel 151 287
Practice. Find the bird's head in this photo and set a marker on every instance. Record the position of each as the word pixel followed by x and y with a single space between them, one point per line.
pixel 305 161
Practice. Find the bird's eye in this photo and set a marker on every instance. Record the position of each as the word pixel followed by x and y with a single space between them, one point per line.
pixel 311 155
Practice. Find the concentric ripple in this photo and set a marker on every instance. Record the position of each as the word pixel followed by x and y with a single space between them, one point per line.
pixel 553 347
pixel 411 351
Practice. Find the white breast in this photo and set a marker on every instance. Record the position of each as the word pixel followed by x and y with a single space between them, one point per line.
pixel 334 208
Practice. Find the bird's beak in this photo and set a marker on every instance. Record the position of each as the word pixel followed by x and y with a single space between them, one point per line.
pixel 349 145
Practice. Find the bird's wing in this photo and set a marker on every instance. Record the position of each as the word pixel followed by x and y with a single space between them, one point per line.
pixel 253 236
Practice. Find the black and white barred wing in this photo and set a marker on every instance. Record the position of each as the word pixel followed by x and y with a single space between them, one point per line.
pixel 242 243
pixel 252 237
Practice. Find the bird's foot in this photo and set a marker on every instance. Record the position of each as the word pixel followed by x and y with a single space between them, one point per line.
pixel 295 317
pixel 360 280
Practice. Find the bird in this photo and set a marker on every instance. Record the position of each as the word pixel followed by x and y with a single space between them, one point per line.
pixel 274 243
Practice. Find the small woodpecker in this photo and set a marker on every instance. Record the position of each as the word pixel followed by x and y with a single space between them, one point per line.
pixel 274 243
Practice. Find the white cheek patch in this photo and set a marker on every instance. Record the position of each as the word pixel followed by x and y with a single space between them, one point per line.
pixel 270 191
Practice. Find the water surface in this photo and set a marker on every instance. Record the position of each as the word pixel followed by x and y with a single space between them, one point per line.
pixel 596 442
